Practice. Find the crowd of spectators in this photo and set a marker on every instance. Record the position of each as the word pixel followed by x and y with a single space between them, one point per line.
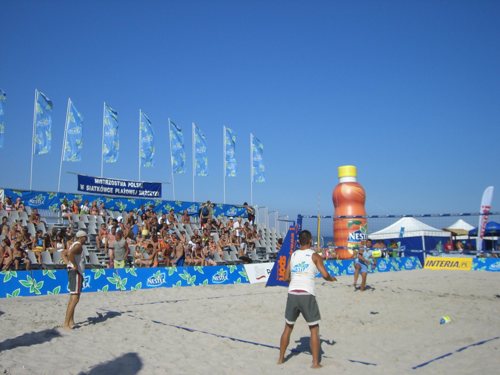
pixel 141 238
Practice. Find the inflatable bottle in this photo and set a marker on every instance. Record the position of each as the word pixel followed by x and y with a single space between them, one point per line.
pixel 349 197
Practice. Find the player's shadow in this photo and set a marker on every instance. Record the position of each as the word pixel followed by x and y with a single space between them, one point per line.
pixel 127 364
pixel 303 346
pixel 29 339
pixel 100 318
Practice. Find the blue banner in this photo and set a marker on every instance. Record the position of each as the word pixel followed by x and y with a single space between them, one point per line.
pixel 177 154
pixel 200 152
pixel 3 100
pixel 111 140
pixel 146 141
pixel 52 201
pixel 486 264
pixel 73 143
pixel 257 162
pixel 46 282
pixel 111 186
pixel 43 124
pixel 277 276
pixel 229 153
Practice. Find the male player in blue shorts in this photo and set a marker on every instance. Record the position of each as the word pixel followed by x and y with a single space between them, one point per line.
pixel 301 271
pixel 362 262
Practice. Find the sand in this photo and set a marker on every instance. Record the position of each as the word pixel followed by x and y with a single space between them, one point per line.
pixel 391 329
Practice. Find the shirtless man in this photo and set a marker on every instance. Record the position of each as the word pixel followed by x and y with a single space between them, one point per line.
pixel 76 272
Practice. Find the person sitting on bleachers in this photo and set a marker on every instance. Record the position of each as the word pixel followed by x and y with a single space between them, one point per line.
pixel 185 219
pixel 209 252
pixel 20 257
pixel 197 254
pixel 94 210
pixel 6 257
pixel 38 245
pixel 102 210
pixel 34 218
pixel 85 208
pixel 171 219
pixel 19 205
pixel 8 206
pixel 75 208
pixel 65 210
pixel 4 227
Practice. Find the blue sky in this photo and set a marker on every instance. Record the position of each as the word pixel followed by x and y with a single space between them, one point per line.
pixel 408 91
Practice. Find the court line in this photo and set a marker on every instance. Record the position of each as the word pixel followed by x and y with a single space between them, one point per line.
pixel 188 329
pixel 456 351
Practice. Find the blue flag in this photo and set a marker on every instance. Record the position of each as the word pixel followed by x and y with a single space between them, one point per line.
pixel 43 124
pixel 177 154
pixel 277 276
pixel 3 100
pixel 200 152
pixel 257 163
pixel 74 143
pixel 111 141
pixel 230 148
pixel 146 141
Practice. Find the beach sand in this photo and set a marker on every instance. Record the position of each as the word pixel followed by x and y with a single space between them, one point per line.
pixel 389 329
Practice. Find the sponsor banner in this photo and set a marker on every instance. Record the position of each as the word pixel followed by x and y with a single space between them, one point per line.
pixel 258 272
pixel 111 186
pixel 45 282
pixel 277 276
pixel 448 263
pixel 52 201
pixel 486 264
pixel 346 267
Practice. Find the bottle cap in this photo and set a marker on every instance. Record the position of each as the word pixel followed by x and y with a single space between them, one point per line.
pixel 347 171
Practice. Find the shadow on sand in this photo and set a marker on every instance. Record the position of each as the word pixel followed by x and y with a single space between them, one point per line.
pixel 127 364
pixel 100 318
pixel 29 339
pixel 303 346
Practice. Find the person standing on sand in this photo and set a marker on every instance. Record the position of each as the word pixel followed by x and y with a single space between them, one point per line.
pixel 76 272
pixel 301 271
pixel 362 263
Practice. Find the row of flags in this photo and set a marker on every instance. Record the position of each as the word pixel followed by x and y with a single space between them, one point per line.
pixel 73 140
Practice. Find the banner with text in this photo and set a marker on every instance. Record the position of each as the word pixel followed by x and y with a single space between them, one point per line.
pixel 110 186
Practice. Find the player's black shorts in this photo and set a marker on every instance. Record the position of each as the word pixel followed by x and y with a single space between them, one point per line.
pixel 75 281
pixel 304 304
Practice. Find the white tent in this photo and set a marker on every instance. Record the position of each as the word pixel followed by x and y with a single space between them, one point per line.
pixel 410 227
pixel 459 228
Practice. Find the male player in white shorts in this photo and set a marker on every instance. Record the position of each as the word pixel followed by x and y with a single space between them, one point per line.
pixel 301 271
pixel 76 273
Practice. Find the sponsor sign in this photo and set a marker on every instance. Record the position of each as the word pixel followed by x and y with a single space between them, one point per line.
pixel 111 186
pixel 445 263
pixel 258 272
pixel 277 276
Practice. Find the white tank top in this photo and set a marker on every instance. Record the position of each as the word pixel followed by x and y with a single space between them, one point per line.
pixel 80 261
pixel 303 271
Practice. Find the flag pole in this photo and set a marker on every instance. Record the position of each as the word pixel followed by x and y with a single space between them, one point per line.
pixel 224 161
pixel 102 145
pixel 193 154
pixel 33 139
pixel 251 169
pixel 63 145
pixel 140 115
pixel 171 160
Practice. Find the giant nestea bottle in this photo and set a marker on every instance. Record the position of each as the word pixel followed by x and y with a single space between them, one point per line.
pixel 349 233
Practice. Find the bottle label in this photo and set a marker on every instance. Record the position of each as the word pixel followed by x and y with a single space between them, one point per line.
pixel 357 234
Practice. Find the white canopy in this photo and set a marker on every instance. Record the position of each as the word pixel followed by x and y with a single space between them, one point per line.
pixel 459 228
pixel 412 228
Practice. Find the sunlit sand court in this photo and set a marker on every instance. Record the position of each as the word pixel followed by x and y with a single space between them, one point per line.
pixel 391 328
